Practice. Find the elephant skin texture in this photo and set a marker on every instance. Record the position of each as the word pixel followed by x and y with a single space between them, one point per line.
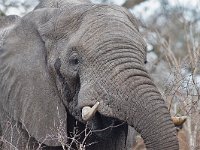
pixel 67 55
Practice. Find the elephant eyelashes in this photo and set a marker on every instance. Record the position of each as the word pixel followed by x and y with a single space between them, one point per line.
pixel 74 61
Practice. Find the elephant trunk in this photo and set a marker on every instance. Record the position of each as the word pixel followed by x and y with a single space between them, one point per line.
pixel 150 117
pixel 125 91
pixel 142 106
pixel 132 97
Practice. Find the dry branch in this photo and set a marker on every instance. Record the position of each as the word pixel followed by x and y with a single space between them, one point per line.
pixel 131 3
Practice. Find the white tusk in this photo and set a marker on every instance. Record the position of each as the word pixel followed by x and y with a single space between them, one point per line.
pixel 88 112
pixel 179 120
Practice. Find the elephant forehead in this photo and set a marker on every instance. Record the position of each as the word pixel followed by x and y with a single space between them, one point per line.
pixel 109 32
pixel 104 31
pixel 71 17
pixel 108 17
pixel 106 28
pixel 95 27
pixel 110 24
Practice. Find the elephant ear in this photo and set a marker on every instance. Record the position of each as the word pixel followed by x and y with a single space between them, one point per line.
pixel 6 23
pixel 27 89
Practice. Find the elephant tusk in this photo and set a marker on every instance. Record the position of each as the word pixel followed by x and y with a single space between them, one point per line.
pixel 178 121
pixel 88 112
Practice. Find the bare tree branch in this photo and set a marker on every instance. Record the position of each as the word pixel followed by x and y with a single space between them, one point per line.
pixel 131 3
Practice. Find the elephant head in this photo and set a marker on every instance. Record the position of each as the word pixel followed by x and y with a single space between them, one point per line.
pixel 57 63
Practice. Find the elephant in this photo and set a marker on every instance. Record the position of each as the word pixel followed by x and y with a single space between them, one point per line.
pixel 73 77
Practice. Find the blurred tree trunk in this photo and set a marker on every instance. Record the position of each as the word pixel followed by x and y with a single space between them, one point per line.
pixel 1 13
pixel 131 3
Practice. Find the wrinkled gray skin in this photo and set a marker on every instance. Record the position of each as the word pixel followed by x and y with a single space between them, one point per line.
pixel 65 55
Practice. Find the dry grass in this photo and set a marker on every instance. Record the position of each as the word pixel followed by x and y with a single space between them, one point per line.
pixel 7 144
pixel 181 90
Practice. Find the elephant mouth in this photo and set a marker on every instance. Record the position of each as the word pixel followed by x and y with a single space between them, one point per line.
pixel 100 125
pixel 103 127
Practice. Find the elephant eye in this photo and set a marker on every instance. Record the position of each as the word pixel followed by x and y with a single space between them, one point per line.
pixel 74 60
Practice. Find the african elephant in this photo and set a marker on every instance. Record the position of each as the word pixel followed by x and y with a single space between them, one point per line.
pixel 73 66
